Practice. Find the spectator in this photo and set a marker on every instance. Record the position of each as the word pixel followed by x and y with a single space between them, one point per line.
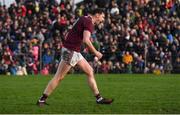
pixel 104 67
pixel 168 67
pixel 157 70
pixel 45 70
pixel 117 68
pixel 177 65
pixel 114 9
pixel 13 69
pixel 138 64
pixel 47 58
pixel 127 59
pixel 21 71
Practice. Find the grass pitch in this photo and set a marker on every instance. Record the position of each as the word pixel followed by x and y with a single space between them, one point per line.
pixel 132 94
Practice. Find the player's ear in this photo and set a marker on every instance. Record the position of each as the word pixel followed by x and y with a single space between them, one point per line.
pixel 96 15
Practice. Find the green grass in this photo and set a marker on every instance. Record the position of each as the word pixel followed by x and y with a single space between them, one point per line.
pixel 132 94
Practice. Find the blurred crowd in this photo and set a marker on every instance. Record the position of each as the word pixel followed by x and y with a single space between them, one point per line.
pixel 138 36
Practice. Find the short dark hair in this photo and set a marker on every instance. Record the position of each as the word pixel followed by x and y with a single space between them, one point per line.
pixel 97 11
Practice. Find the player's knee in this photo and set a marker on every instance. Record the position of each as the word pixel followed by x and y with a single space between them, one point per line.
pixel 90 72
pixel 59 78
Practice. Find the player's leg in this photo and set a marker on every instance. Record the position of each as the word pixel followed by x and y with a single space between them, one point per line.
pixel 84 65
pixel 62 70
pixel 60 74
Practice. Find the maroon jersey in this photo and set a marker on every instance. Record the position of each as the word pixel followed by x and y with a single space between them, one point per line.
pixel 74 38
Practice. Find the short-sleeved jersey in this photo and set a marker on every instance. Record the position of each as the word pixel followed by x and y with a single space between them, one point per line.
pixel 74 38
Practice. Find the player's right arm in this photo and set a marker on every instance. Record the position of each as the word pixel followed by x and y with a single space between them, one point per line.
pixel 86 40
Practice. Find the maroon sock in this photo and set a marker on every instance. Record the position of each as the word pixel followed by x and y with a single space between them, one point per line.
pixel 98 96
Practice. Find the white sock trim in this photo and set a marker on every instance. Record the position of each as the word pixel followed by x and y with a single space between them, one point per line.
pixel 98 100
pixel 41 101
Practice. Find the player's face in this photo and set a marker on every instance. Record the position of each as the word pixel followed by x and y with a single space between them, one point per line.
pixel 100 18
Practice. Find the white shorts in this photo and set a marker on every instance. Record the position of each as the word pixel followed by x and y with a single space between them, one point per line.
pixel 71 57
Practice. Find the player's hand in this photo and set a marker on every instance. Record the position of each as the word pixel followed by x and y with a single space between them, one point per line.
pixel 98 55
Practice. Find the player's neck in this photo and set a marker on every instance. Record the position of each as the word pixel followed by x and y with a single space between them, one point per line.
pixel 92 18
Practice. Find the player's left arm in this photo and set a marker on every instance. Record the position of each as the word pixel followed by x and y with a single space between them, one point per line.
pixel 87 41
